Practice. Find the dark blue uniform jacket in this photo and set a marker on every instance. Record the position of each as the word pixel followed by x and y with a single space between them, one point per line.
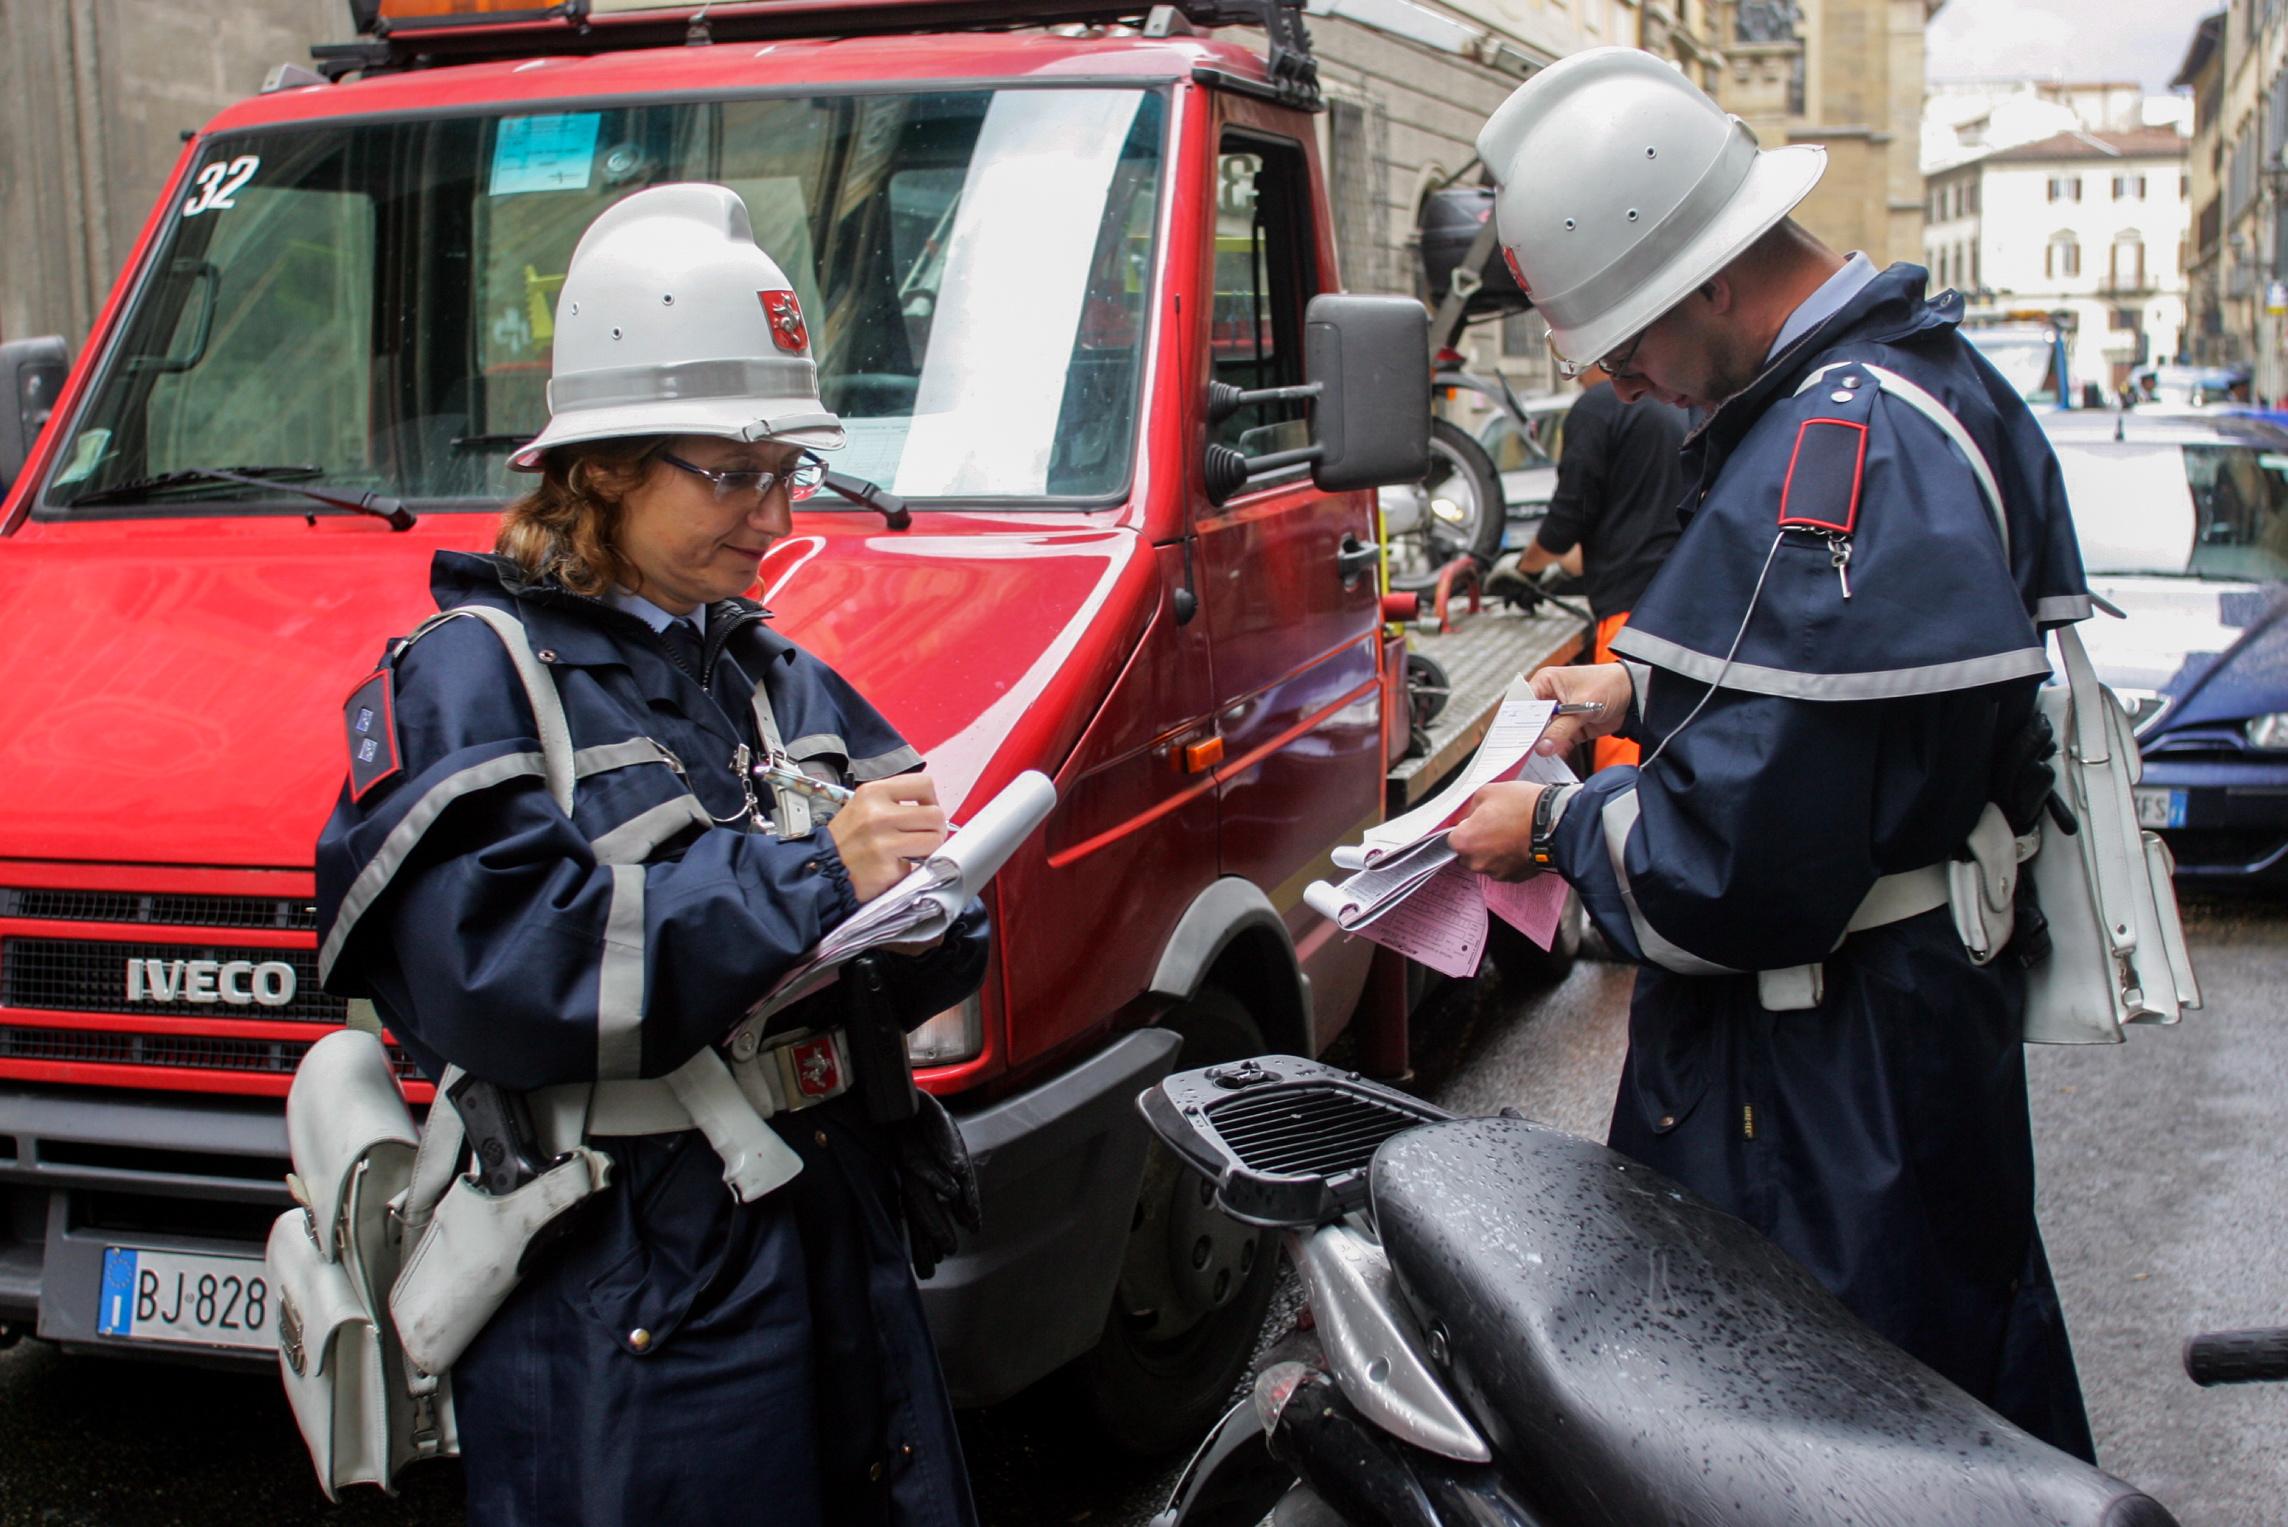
pixel 1882 1135
pixel 687 1357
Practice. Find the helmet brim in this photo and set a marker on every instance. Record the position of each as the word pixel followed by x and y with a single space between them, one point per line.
pixel 746 419
pixel 1778 180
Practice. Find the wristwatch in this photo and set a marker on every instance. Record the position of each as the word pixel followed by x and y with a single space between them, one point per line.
pixel 1539 846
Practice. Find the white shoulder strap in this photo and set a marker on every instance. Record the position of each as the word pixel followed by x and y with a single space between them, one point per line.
pixel 539 691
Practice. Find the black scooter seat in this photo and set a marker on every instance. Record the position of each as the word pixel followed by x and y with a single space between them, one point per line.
pixel 1641 1357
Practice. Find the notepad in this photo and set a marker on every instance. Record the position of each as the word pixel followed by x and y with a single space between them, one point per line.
pixel 1409 893
pixel 920 909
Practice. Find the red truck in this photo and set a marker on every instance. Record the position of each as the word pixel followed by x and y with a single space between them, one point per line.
pixel 1062 285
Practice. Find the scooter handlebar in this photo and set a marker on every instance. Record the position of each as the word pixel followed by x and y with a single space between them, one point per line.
pixel 2238 1357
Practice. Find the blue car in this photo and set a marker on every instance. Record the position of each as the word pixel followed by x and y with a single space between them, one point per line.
pixel 2183 520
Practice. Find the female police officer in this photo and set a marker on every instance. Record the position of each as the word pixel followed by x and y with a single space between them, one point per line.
pixel 684 1355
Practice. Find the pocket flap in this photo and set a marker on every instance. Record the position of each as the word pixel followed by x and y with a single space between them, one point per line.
pixel 316 1299
pixel 345 1108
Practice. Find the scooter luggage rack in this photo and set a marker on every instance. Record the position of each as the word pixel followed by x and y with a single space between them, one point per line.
pixel 1287 1141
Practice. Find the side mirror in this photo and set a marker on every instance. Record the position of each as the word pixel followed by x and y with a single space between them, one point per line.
pixel 32 373
pixel 1370 359
pixel 1368 364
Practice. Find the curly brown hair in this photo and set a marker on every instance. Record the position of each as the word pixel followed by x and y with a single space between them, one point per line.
pixel 567 528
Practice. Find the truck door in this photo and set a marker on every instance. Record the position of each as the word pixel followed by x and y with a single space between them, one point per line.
pixel 1292 638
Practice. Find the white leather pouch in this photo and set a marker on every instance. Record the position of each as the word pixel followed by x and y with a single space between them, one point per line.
pixel 329 1356
pixel 2117 947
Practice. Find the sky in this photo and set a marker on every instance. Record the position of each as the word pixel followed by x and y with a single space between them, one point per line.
pixel 2142 40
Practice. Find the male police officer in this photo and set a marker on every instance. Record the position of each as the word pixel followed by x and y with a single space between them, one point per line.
pixel 1833 675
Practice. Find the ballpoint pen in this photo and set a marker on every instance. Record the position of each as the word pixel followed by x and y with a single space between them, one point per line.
pixel 1580 708
pixel 800 783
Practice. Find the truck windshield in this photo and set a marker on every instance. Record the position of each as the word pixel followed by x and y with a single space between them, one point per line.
pixel 371 304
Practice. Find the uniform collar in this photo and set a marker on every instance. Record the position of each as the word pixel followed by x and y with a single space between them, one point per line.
pixel 1833 293
pixel 630 602
pixel 578 628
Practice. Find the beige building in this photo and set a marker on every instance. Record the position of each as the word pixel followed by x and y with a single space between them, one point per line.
pixel 1847 74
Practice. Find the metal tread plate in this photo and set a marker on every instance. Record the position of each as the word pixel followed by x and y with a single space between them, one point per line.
pixel 1482 654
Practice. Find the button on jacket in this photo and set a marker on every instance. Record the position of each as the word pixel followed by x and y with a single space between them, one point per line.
pixel 1895 645
pixel 687 1357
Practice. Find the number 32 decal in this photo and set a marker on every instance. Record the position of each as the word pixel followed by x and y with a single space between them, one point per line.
pixel 219 183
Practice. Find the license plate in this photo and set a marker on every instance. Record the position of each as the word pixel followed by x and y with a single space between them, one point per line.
pixel 188 1298
pixel 2160 808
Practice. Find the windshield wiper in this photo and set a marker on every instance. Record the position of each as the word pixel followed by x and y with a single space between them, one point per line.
pixel 380 505
pixel 872 496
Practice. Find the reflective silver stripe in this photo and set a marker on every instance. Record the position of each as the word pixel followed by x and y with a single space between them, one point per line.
pixel 620 978
pixel 1640 683
pixel 882 765
pixel 616 755
pixel 1618 818
pixel 2061 608
pixel 390 857
pixel 634 840
pixel 762 376
pixel 1877 684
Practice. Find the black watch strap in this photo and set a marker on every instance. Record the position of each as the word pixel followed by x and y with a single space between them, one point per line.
pixel 1544 825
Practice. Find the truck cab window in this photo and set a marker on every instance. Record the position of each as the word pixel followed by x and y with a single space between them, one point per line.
pixel 1264 272
pixel 374 302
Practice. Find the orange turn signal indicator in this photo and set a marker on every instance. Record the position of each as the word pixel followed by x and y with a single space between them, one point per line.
pixel 1201 756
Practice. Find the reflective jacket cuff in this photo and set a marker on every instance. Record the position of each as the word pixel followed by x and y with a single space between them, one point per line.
pixel 1578 847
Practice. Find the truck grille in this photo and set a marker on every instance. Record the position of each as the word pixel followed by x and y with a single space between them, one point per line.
pixel 196 1052
pixel 283 912
pixel 90 976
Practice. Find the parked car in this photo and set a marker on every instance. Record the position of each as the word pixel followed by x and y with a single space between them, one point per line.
pixel 2184 525
pixel 1525 453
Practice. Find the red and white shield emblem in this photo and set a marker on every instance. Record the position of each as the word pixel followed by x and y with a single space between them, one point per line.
pixel 787 329
pixel 816 1071
pixel 1510 256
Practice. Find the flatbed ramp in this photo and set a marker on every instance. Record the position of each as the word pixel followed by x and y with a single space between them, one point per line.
pixel 1481 655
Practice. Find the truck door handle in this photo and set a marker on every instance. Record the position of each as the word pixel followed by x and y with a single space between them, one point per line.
pixel 1356 556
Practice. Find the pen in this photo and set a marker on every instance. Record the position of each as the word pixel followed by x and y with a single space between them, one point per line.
pixel 800 783
pixel 1581 708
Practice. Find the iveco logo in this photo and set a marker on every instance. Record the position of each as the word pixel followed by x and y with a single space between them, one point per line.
pixel 242 983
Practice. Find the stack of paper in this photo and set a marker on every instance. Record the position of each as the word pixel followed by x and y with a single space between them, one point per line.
pixel 920 908
pixel 1408 893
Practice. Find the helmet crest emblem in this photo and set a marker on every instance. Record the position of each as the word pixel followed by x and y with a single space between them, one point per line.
pixel 787 329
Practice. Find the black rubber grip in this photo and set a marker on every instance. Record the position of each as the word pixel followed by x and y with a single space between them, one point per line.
pixel 2238 1357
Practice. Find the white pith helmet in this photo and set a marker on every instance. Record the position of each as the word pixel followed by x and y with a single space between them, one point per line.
pixel 1620 187
pixel 672 322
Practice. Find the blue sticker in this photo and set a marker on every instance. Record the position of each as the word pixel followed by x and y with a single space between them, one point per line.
pixel 115 1316
pixel 553 153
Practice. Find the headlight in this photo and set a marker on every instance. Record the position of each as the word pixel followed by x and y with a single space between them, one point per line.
pixel 2269 732
pixel 2143 705
pixel 956 1034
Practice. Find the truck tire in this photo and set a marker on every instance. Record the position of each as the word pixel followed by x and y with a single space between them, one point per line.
pixel 1457 508
pixel 1525 965
pixel 1194 1286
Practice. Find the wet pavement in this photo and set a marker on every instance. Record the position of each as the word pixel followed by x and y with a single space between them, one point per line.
pixel 2163 1203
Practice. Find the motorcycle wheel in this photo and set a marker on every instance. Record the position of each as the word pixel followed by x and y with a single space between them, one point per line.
pixel 1194 1284
pixel 1456 508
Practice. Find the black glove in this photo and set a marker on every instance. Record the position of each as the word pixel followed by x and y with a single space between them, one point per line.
pixel 2023 778
pixel 937 1186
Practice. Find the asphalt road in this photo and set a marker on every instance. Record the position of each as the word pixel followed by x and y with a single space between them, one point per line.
pixel 2163 1204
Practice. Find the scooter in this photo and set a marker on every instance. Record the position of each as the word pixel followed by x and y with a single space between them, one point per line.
pixel 1509 1326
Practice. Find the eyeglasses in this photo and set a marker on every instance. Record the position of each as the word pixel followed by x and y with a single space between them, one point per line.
pixel 1618 364
pixel 802 479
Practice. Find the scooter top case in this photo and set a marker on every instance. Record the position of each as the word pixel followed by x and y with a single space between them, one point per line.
pixel 1639 1356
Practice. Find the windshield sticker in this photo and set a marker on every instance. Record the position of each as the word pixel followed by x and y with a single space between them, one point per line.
pixel 217 185
pixel 87 451
pixel 556 153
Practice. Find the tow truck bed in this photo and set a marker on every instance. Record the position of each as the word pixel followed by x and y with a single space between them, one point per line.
pixel 1482 654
